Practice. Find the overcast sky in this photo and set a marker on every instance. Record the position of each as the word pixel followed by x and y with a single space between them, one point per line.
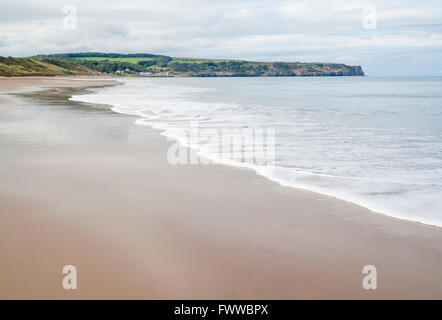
pixel 396 37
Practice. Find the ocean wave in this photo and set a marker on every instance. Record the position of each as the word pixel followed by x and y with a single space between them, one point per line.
pixel 356 153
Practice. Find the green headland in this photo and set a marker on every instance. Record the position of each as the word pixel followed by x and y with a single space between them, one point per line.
pixel 144 64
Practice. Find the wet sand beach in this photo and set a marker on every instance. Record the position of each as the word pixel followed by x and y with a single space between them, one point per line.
pixel 81 185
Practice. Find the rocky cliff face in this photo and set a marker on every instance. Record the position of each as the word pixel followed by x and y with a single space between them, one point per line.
pixel 145 64
pixel 290 70
pixel 319 70
pixel 355 71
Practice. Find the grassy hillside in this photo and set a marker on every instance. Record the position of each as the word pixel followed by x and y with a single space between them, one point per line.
pixel 160 65
pixel 130 60
pixel 10 67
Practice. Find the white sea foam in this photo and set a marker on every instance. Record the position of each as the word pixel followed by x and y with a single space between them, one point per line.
pixel 372 142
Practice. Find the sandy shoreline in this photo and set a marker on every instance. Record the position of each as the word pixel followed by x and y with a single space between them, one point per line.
pixel 10 85
pixel 89 188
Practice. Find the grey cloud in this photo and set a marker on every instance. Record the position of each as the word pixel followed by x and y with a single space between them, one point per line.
pixel 260 30
pixel 3 41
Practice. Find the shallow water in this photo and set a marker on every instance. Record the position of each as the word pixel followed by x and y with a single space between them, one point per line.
pixel 373 141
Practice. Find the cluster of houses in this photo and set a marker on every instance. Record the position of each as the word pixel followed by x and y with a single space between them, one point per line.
pixel 123 71
pixel 145 74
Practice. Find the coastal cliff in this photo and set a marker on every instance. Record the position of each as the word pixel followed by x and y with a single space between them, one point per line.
pixel 300 70
pixel 150 65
